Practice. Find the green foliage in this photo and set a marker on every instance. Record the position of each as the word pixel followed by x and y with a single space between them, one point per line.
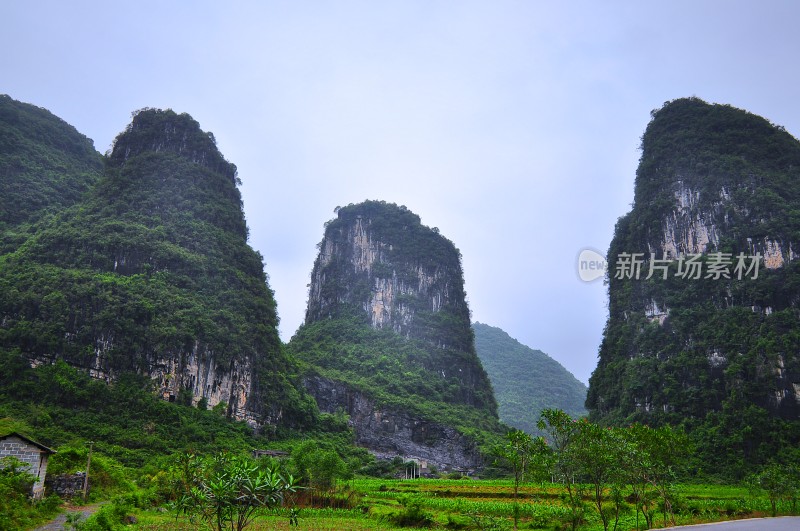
pixel 608 460
pixel 522 453
pixel 398 372
pixel 779 482
pixel 110 517
pixel 46 166
pixel 526 381
pixel 64 407
pixel 228 492
pixel 15 483
pixel 719 364
pixel 317 467
pixel 17 509
pixel 152 263
pixel 412 514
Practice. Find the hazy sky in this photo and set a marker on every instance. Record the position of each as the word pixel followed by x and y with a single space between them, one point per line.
pixel 512 126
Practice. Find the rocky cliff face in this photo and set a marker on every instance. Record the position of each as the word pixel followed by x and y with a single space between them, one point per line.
pixel 151 272
pixel 388 432
pixel 379 261
pixel 715 222
pixel 387 317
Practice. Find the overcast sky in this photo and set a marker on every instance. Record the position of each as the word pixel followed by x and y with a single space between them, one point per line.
pixel 513 127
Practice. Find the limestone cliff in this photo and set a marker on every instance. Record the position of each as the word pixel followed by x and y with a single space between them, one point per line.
pixel 151 272
pixel 387 318
pixel 711 334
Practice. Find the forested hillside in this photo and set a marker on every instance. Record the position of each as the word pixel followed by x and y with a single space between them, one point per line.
pixel 526 381
pixel 45 166
pixel 703 331
pixel 387 334
pixel 150 272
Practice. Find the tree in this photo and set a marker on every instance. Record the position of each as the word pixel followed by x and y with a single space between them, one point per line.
pixel 317 467
pixel 228 492
pixel 600 454
pixel 778 481
pixel 519 453
pixel 655 458
pixel 562 432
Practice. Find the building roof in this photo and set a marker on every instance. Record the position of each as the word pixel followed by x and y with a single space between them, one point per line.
pixel 29 441
pixel 271 453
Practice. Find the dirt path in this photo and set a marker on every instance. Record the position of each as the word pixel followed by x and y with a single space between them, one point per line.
pixel 58 523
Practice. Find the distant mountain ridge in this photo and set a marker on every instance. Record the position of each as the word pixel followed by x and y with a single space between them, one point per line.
pixel 526 380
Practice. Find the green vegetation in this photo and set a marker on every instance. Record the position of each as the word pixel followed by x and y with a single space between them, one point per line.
pixel 152 265
pixel 228 492
pixel 17 510
pixel 526 381
pixel 602 478
pixel 394 371
pixel 722 362
pixel 387 317
pixel 139 438
pixel 45 166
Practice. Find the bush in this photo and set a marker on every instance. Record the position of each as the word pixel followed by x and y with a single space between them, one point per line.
pixel 412 514
pixel 108 518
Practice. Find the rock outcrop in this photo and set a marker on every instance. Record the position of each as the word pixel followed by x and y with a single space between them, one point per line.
pixel 389 432
pixel 387 318
pixel 151 273
pixel 703 278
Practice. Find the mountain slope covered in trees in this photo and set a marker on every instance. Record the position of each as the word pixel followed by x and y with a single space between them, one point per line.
pixel 525 380
pixel 711 346
pixel 387 334
pixel 45 166
pixel 150 272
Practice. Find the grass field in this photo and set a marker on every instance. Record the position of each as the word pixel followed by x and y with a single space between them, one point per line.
pixel 487 504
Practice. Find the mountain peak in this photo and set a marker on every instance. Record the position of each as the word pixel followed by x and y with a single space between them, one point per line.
pixel 387 336
pixel 712 349
pixel 377 260
pixel 156 130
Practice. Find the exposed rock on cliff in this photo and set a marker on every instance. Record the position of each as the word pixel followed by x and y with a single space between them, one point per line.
pixel 389 432
pixel 152 273
pixel 387 317
pixel 710 339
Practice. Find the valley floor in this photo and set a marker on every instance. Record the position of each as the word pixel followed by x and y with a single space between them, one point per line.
pixel 468 504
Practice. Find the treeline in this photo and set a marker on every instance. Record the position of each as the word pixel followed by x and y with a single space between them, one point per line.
pixel 616 470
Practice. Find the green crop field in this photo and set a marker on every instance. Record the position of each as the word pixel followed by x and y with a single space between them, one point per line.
pixel 488 504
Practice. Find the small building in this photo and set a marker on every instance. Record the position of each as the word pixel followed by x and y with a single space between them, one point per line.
pixel 275 454
pixel 30 452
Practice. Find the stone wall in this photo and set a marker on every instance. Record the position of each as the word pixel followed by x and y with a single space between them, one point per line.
pixel 35 457
pixel 66 485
